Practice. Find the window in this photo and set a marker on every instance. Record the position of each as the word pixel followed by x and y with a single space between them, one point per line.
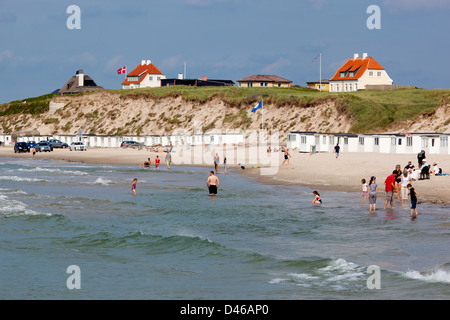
pixel 361 140
pixel 350 87
pixel 346 87
pixel 377 141
pixel 331 140
pixel 444 142
pixel 279 84
pixel 400 142
pixel 249 84
pixel 303 139
pixel 432 142
pixel 291 137
pixel 393 141
pixel 379 74
pixel 351 74
pixel 409 141
pixel 263 84
pixel 356 87
pixel 345 140
pixel 150 78
pixel 371 74
pixel 331 87
pixel 342 74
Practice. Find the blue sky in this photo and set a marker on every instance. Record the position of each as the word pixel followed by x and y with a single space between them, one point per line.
pixel 228 39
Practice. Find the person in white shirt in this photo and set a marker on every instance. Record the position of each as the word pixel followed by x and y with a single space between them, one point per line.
pixel 405 180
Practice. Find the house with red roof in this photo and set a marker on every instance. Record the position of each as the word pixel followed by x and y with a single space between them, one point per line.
pixel 144 75
pixel 357 73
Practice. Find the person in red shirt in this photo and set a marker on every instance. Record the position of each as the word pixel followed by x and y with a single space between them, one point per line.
pixel 389 184
pixel 157 161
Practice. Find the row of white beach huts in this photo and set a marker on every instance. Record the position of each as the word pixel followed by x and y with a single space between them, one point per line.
pixel 432 143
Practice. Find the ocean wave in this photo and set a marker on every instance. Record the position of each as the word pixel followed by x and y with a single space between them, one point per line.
pixel 437 274
pixel 21 179
pixel 57 171
pixel 337 274
pixel 9 207
pixel 103 181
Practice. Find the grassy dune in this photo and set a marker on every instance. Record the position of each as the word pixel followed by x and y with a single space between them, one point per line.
pixel 370 111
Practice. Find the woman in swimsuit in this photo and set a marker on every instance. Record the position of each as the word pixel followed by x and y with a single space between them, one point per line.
pixel 133 186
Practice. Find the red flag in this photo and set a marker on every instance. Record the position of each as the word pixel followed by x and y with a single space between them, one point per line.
pixel 122 70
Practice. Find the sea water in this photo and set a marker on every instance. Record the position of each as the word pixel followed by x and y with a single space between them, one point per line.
pixel 173 241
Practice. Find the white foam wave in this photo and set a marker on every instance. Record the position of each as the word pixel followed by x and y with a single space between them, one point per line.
pixel 21 179
pixel 58 171
pixel 338 274
pixel 9 207
pixel 435 275
pixel 103 181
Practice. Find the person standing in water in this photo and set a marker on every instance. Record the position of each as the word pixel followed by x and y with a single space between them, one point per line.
pixel 133 186
pixel 317 201
pixel 212 183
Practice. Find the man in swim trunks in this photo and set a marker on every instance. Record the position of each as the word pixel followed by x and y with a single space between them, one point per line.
pixel 212 183
pixel 168 160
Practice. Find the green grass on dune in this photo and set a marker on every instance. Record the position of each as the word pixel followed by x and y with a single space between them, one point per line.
pixel 370 110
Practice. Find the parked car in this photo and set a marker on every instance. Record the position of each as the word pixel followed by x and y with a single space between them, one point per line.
pixel 31 144
pixel 43 146
pixel 21 147
pixel 129 144
pixel 77 146
pixel 58 143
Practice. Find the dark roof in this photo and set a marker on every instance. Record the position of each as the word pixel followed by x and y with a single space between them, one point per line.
pixel 196 82
pixel 318 81
pixel 265 78
pixel 71 86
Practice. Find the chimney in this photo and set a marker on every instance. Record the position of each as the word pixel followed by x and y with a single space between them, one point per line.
pixel 355 56
pixel 142 62
pixel 80 78
pixel 180 76
pixel 148 62
pixel 364 55
pixel 204 78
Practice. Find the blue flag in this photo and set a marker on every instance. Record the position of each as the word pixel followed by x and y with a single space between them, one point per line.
pixel 259 106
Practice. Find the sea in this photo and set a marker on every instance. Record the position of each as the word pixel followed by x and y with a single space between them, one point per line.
pixel 75 231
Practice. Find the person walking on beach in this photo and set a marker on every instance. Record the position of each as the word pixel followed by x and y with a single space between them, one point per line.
pixel 337 150
pixel 286 156
pixel 157 161
pixel 34 152
pixel 373 188
pixel 389 185
pixel 414 194
pixel 212 183
pixel 133 186
pixel 216 162
pixel 168 160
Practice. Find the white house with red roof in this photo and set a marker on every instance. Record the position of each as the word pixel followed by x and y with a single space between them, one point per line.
pixel 143 76
pixel 357 73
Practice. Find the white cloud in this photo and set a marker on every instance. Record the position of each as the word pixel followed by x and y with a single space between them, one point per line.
pixel 276 67
pixel 9 57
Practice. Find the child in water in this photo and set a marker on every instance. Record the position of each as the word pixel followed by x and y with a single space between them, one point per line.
pixel 364 190
pixel 317 200
pixel 133 186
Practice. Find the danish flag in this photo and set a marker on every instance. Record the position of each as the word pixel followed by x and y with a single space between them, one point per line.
pixel 122 70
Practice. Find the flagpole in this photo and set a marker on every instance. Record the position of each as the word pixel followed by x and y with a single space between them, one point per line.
pixel 320 74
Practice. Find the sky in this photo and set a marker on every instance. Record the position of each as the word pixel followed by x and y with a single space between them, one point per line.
pixel 221 39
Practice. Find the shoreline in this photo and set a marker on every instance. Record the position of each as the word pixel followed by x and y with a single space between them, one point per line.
pixel 320 171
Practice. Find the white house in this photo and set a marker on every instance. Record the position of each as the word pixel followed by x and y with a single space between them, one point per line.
pixel 144 75
pixel 357 73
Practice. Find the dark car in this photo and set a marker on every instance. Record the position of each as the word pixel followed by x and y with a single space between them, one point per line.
pixel 129 144
pixel 21 147
pixel 55 143
pixel 43 146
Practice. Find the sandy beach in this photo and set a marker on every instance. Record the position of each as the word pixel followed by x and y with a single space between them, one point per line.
pixel 320 171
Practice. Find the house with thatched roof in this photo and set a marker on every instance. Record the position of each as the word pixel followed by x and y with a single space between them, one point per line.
pixel 79 83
